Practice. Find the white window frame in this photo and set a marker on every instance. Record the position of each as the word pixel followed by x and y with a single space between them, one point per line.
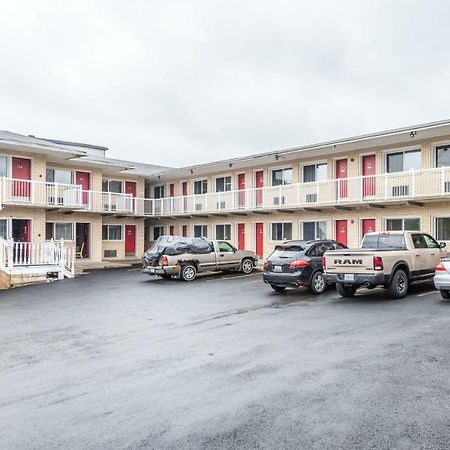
pixel 400 150
pixel 402 218
pixel 282 168
pixel 223 176
pixel 434 147
pixel 223 225
pixel 152 236
pixel 312 163
pixel 284 222
pixel 114 179
pixel 199 180
pixel 72 174
pixel 199 225
pixel 54 229
pixel 435 228
pixel 107 234
pixel 8 227
pixel 300 230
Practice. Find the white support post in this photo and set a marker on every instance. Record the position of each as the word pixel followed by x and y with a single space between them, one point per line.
pixel 385 186
pixel 443 179
pixel 413 182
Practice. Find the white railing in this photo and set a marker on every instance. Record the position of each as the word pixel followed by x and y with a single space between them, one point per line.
pixel 28 254
pixel 414 184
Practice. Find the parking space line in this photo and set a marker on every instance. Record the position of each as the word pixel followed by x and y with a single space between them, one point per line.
pixel 425 293
pixel 232 277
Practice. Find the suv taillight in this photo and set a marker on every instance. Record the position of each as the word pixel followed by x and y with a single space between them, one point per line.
pixel 266 264
pixel 440 267
pixel 164 261
pixel 377 263
pixel 300 263
pixel 324 263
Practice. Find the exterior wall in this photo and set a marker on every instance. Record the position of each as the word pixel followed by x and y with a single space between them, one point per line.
pixel 119 246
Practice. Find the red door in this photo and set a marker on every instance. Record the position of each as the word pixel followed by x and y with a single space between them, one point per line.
pixel 21 173
pixel 259 184
pixel 341 231
pixel 241 236
pixel 241 187
pixel 184 231
pixel 184 190
pixel 130 188
pixel 171 190
pixel 171 230
pixel 341 172
pixel 259 230
pixel 368 171
pixel 83 179
pixel 368 225
pixel 130 240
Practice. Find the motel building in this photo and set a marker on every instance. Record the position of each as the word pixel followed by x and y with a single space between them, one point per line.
pixel 66 206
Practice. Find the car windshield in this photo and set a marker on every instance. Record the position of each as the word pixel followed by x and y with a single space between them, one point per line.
pixel 384 241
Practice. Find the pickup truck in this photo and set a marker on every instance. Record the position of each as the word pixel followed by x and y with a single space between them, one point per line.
pixel 224 257
pixel 392 259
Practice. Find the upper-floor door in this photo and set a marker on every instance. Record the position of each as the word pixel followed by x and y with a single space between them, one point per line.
pixel 368 172
pixel 241 187
pixel 341 175
pixel 83 179
pixel 259 184
pixel 171 190
pixel 130 188
pixel 21 173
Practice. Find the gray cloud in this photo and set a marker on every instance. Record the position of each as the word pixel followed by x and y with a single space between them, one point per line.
pixel 181 82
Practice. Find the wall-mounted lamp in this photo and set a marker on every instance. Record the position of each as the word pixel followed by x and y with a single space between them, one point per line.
pixel 352 159
pixel 334 146
pixel 231 164
pixel 159 177
pixel 412 134
pixel 276 157
pixel 191 171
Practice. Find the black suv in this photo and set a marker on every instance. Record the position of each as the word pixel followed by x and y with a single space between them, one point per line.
pixel 298 263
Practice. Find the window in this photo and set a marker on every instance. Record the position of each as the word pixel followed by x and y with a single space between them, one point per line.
pixel 314 230
pixel 158 192
pixel 225 247
pixel 200 231
pixel 200 187
pixel 3 166
pixel 443 155
pixel 411 224
pixel 431 243
pixel 315 172
pixel 223 184
pixel 157 232
pixel 223 232
pixel 59 176
pixel 281 176
pixel 384 241
pixel 443 228
pixel 3 228
pixel 112 232
pixel 403 161
pixel 112 186
pixel 281 231
pixel 320 249
pixel 59 230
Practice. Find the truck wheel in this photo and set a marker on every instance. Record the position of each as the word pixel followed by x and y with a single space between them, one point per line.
pixel 445 294
pixel 188 272
pixel 277 288
pixel 317 284
pixel 345 291
pixel 399 285
pixel 247 265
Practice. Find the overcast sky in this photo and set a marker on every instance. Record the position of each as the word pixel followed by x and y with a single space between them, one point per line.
pixel 184 82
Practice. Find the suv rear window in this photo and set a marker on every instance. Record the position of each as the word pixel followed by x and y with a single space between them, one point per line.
pixel 287 251
pixel 384 241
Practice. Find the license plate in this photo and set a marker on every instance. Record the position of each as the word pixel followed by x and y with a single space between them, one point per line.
pixel 277 268
pixel 349 277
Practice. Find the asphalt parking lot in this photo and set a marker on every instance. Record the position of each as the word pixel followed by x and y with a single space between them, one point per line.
pixel 119 360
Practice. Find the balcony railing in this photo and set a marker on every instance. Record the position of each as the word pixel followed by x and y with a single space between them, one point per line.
pixel 388 187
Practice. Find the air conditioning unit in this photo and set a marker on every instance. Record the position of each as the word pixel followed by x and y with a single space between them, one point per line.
pixel 400 191
pixel 278 201
pixel 110 254
pixel 198 206
pixel 220 205
pixel 311 198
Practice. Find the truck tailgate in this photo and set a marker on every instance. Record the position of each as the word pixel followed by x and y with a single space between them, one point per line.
pixel 349 261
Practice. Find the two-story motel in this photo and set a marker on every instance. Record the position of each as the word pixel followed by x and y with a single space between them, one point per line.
pixel 110 210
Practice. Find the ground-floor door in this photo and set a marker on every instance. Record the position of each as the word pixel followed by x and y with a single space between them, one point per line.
pixel 82 240
pixel 184 230
pixel 130 240
pixel 259 235
pixel 241 236
pixel 21 230
pixel 368 226
pixel 341 231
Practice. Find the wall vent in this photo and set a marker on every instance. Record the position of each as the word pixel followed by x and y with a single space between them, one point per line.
pixel 110 253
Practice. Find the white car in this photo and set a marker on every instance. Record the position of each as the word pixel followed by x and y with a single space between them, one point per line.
pixel 442 277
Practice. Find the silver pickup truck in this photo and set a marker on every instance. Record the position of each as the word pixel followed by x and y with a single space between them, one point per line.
pixel 224 257
pixel 392 259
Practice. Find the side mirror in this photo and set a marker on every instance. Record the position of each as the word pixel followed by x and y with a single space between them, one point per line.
pixel 235 249
pixel 442 244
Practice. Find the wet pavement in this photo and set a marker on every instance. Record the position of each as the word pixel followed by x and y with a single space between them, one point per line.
pixel 116 359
